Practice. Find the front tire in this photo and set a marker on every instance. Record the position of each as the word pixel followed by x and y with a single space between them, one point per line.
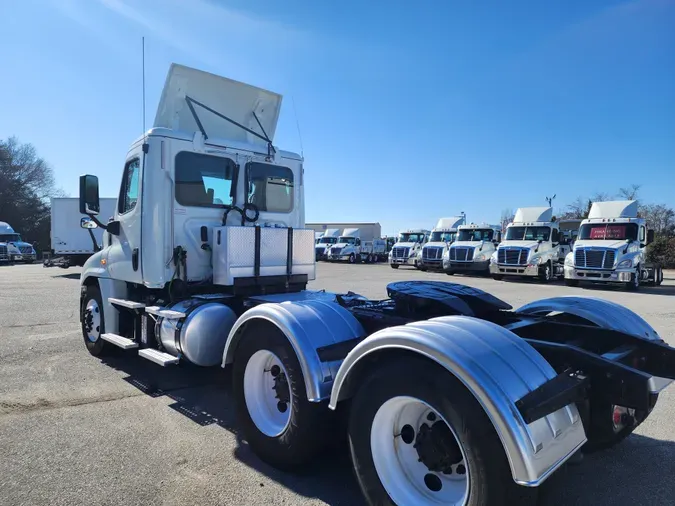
pixel 422 438
pixel 352 258
pixel 282 427
pixel 394 266
pixel 497 277
pixel 546 273
pixel 634 284
pixel 572 282
pixel 93 322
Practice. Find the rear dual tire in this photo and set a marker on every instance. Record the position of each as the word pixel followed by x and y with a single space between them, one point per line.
pixel 384 454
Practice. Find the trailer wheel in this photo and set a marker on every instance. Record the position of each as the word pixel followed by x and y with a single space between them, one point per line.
pixel 93 323
pixel 610 424
pixel 394 266
pixel 422 438
pixel 281 426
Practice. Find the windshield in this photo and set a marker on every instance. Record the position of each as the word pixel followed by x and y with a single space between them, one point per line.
pixel 442 236
pixel 601 231
pixel 10 238
pixel 411 237
pixel 348 240
pixel 478 234
pixel 327 240
pixel 528 233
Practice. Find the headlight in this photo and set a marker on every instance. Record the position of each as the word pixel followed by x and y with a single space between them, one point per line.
pixel 535 261
pixel 625 264
pixel 480 257
pixel 493 258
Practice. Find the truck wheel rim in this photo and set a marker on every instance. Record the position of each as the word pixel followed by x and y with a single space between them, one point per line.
pixel 92 320
pixel 267 393
pixel 414 465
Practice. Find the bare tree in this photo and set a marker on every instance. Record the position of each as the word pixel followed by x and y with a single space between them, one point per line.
pixel 601 197
pixel 630 192
pixel 576 209
pixel 659 217
pixel 506 218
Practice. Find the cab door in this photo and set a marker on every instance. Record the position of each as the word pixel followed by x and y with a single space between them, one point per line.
pixel 124 258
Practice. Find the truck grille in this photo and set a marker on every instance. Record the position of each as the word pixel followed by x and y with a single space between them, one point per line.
pixel 399 252
pixel 594 258
pixel 432 253
pixel 27 250
pixel 3 252
pixel 335 251
pixel 512 256
pixel 460 254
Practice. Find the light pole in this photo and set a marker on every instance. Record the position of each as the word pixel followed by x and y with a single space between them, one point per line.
pixel 550 200
pixel 463 215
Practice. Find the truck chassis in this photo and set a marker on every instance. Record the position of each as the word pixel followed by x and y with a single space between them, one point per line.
pixel 445 380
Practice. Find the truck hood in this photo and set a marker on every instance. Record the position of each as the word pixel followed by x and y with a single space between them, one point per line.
pixel 405 245
pixel 519 244
pixel 341 245
pixel 440 244
pixel 238 101
pixel 610 243
pixel 11 247
pixel 21 243
pixel 470 244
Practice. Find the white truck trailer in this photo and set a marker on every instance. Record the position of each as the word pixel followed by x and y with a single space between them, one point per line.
pixel 354 248
pixel 328 238
pixel 611 246
pixel 442 235
pixel 444 385
pixel 12 247
pixel 72 243
pixel 530 247
pixel 472 249
pixel 408 247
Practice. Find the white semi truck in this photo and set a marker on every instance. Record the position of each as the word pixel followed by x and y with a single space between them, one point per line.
pixel 354 248
pixel 12 247
pixel 73 243
pixel 472 249
pixel 323 244
pixel 207 261
pixel 442 235
pixel 408 247
pixel 611 246
pixel 531 247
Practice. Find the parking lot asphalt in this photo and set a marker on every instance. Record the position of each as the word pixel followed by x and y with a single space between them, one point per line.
pixel 78 430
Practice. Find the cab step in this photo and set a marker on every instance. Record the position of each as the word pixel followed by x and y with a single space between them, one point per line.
pixel 169 314
pixel 158 357
pixel 122 342
pixel 128 304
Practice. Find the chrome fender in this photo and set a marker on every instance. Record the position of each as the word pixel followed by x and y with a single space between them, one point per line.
pixel 498 368
pixel 600 312
pixel 308 325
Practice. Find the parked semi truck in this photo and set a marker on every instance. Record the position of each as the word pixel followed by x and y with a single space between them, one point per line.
pixel 444 386
pixel 323 244
pixel 408 247
pixel 530 246
pixel 354 248
pixel 472 250
pixel 611 247
pixel 12 247
pixel 442 235
pixel 73 243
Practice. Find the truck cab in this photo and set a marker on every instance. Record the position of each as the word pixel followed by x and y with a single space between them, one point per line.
pixel 530 246
pixel 611 246
pixel 12 247
pixel 323 244
pixel 442 235
pixel 347 247
pixel 472 249
pixel 408 247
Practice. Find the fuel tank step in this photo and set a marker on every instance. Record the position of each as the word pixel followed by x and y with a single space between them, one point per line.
pixel 158 357
pixel 129 304
pixel 169 314
pixel 122 342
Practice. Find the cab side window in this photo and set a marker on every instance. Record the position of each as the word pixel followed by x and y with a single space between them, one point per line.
pixel 555 237
pixel 129 189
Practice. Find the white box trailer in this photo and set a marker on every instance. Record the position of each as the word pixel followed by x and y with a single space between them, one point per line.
pixel 72 244
pixel 367 231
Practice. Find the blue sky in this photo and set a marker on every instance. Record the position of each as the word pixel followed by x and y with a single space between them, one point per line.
pixel 406 114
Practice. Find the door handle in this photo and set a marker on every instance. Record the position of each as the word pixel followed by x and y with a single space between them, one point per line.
pixel 134 259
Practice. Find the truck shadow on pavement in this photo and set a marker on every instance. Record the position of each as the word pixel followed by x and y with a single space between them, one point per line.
pixel 204 396
pixel 637 471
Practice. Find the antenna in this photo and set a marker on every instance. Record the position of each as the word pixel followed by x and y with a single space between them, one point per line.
pixel 143 55
pixel 550 200
pixel 297 123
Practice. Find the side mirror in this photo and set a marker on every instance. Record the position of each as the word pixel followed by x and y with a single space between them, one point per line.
pixel 650 236
pixel 87 222
pixel 89 201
